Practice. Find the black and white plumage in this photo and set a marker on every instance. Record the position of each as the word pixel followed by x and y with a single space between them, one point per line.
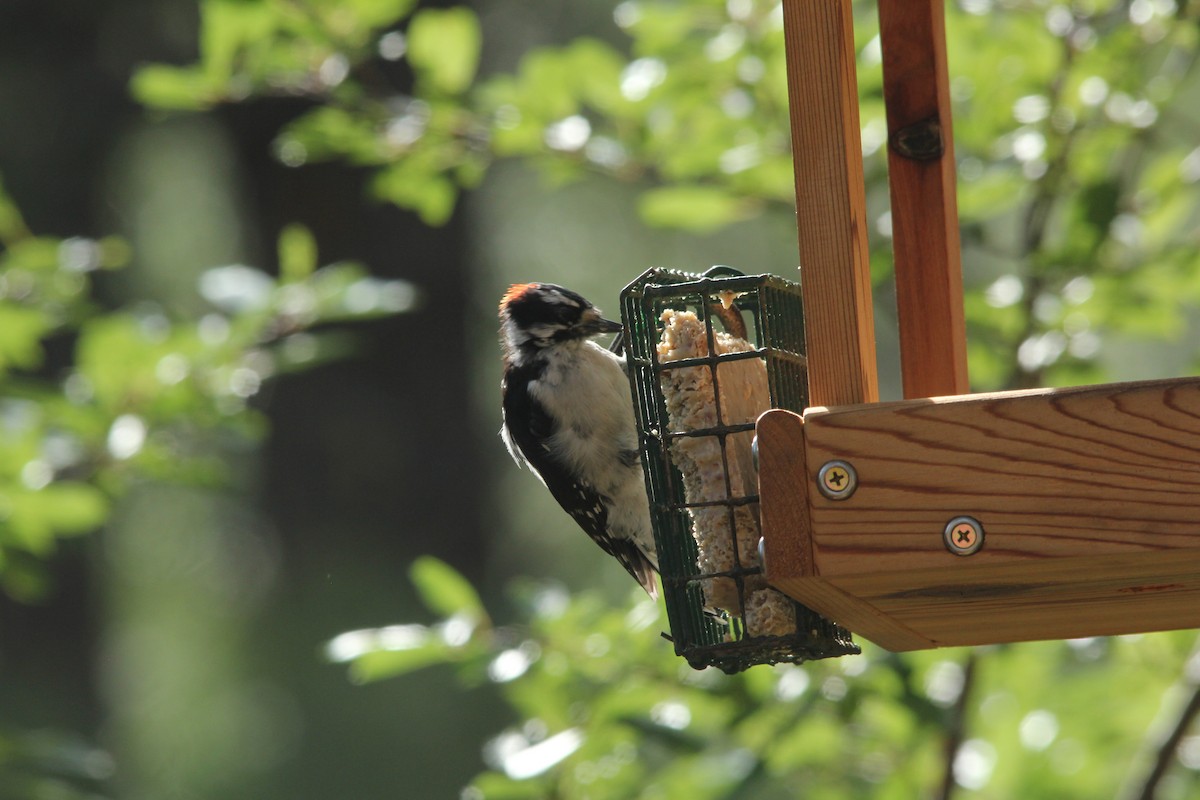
pixel 568 416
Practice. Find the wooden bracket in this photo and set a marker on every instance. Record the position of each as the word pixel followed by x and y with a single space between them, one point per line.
pixel 1089 500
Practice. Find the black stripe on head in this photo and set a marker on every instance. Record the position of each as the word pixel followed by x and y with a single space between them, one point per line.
pixel 544 311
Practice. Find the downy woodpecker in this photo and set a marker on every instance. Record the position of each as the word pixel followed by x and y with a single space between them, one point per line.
pixel 568 416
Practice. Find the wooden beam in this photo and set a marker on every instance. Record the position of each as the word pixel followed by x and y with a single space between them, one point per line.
pixel 1089 499
pixel 925 238
pixel 1066 598
pixel 787 537
pixel 785 515
pixel 830 201
pixel 1113 468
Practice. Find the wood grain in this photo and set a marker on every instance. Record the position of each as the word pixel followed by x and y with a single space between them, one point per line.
pixel 833 602
pixel 784 507
pixel 1113 468
pixel 1072 597
pixel 830 201
pixel 783 493
pixel 925 237
pixel 1089 499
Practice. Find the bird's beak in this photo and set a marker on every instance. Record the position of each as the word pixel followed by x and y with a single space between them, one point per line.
pixel 592 323
pixel 608 326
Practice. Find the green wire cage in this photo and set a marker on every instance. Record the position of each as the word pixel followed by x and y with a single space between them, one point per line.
pixel 707 354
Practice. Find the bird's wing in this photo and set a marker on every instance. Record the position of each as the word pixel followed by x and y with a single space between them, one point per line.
pixel 527 427
pixel 527 431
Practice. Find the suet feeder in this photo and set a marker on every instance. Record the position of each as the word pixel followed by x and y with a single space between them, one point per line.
pixel 692 339
pixel 947 518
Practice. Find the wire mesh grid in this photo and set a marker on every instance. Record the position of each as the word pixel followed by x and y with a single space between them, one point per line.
pixel 720 611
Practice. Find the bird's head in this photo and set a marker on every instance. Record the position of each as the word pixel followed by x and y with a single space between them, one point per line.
pixel 534 316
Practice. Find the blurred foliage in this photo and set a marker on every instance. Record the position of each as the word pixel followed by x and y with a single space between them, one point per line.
pixel 94 400
pixel 48 765
pixel 605 710
pixel 142 396
pixel 1075 134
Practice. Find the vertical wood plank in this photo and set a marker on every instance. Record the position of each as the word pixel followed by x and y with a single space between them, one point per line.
pixel 933 350
pixel 783 495
pixel 830 202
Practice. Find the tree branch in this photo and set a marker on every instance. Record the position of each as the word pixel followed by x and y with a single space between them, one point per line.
pixel 957 725
pixel 1163 743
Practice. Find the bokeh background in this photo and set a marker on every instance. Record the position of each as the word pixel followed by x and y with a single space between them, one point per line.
pixel 188 636
pixel 216 460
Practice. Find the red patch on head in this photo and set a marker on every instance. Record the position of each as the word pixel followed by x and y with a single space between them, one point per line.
pixel 515 291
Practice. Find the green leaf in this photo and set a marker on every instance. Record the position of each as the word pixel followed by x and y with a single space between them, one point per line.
pixel 410 184
pixel 444 590
pixel 380 664
pixel 36 254
pixel 696 208
pixel 496 786
pixel 443 47
pixel 297 253
pixel 175 88
pixel 35 518
pixel 71 507
pixel 228 26
pixel 546 93
pixel 21 332
pixel 377 13
pixel 596 68
pixel 329 132
pixel 113 355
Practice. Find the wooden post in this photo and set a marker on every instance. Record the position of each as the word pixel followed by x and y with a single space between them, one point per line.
pixel 929 294
pixel 830 202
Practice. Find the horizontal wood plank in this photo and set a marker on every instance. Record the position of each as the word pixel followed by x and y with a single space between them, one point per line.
pixel 1111 469
pixel 1089 499
pixel 1066 598
pixel 855 614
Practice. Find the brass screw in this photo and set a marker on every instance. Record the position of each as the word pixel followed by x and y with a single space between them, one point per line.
pixel 963 536
pixel 837 480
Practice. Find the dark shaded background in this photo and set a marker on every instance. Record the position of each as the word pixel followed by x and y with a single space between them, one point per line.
pixel 354 480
